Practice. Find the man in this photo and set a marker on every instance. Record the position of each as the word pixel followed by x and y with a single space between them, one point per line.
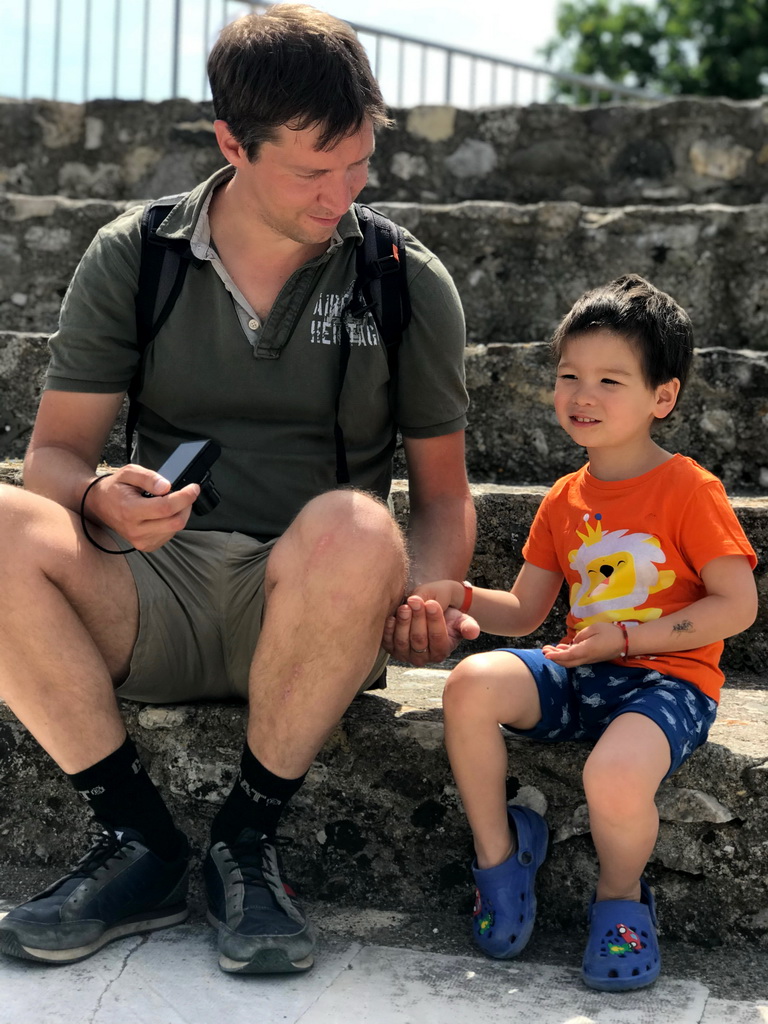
pixel 281 593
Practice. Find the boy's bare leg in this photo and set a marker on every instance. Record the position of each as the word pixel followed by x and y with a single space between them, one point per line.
pixel 70 620
pixel 481 692
pixel 621 777
pixel 332 579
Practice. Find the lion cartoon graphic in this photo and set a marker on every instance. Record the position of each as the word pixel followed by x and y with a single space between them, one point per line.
pixel 618 572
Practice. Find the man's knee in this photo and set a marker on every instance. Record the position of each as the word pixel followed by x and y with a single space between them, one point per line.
pixel 343 531
pixel 344 508
pixel 20 512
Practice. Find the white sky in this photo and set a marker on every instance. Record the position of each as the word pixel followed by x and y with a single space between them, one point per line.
pixel 101 67
pixel 514 29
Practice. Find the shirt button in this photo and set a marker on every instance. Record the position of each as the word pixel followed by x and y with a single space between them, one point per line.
pixel 253 324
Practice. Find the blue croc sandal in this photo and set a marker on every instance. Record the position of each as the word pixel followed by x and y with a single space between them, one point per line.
pixel 622 950
pixel 505 902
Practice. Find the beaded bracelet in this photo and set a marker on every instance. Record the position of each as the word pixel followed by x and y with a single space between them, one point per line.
pixel 625 634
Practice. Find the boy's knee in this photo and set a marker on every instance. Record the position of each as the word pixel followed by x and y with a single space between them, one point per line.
pixel 464 685
pixel 612 788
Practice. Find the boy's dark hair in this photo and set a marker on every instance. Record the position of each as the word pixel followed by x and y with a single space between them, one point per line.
pixel 295 66
pixel 651 320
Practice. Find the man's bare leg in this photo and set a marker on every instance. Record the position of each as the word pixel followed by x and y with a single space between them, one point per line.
pixel 70 620
pixel 332 580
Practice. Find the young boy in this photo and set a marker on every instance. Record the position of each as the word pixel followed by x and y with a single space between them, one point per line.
pixel 660 572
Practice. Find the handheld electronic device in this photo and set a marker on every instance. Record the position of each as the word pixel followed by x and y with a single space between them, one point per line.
pixel 191 463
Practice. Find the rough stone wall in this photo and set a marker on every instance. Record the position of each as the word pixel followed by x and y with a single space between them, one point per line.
pixel 665 153
pixel 109 149
pixel 513 436
pixel 518 268
pixel 612 190
pixel 23 358
pixel 41 241
pixel 367 829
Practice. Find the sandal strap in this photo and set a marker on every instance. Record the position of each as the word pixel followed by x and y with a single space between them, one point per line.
pixel 532 834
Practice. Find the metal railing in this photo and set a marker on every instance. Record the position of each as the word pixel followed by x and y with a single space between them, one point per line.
pixel 78 50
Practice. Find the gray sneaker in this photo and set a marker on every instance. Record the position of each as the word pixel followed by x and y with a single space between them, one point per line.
pixel 262 929
pixel 119 888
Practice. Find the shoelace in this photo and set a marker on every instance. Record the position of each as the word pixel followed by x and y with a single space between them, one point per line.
pixel 105 846
pixel 248 857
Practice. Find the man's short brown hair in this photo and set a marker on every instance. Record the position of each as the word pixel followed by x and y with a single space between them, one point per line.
pixel 294 66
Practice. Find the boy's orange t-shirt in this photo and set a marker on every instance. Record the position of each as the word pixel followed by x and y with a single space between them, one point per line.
pixel 633 550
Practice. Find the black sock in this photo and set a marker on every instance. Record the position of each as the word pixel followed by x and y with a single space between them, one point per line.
pixel 257 801
pixel 122 795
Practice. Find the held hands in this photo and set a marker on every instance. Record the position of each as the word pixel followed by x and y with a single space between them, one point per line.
pixel 601 641
pixel 426 628
pixel 118 501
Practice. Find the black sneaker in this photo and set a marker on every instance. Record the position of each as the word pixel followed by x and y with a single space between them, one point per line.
pixel 262 929
pixel 119 888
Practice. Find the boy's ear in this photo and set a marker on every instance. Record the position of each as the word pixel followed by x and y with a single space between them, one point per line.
pixel 666 397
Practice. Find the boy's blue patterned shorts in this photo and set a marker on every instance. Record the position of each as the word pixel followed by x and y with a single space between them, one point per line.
pixel 579 703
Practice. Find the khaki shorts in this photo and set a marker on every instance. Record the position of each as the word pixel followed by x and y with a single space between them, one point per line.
pixel 201 604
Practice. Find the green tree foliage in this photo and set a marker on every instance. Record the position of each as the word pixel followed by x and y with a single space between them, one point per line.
pixel 703 47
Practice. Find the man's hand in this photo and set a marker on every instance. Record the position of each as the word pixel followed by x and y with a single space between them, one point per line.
pixel 420 632
pixel 146 523
pixel 601 641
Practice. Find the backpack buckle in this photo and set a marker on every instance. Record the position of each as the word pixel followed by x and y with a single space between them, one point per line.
pixel 385 265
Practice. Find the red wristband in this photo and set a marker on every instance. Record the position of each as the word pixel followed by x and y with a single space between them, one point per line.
pixel 466 604
pixel 625 634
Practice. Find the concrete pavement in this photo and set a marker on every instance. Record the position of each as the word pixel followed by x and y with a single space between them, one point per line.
pixel 171 977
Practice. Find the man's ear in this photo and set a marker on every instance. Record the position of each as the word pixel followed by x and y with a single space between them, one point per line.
pixel 666 397
pixel 231 149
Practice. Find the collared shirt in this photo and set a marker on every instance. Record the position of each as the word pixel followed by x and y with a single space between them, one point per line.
pixel 203 249
pixel 270 404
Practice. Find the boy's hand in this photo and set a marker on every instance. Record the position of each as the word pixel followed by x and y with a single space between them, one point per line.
pixel 439 590
pixel 601 641
pixel 420 631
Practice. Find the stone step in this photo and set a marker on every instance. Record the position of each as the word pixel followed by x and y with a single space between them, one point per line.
pixel 378 822
pixel 513 436
pixel 504 515
pixel 687 150
pixel 518 268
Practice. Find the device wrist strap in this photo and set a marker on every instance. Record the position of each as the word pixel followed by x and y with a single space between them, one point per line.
pixel 107 551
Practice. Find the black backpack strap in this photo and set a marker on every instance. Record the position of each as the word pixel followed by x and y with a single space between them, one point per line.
pixel 162 270
pixel 382 278
pixel 381 288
